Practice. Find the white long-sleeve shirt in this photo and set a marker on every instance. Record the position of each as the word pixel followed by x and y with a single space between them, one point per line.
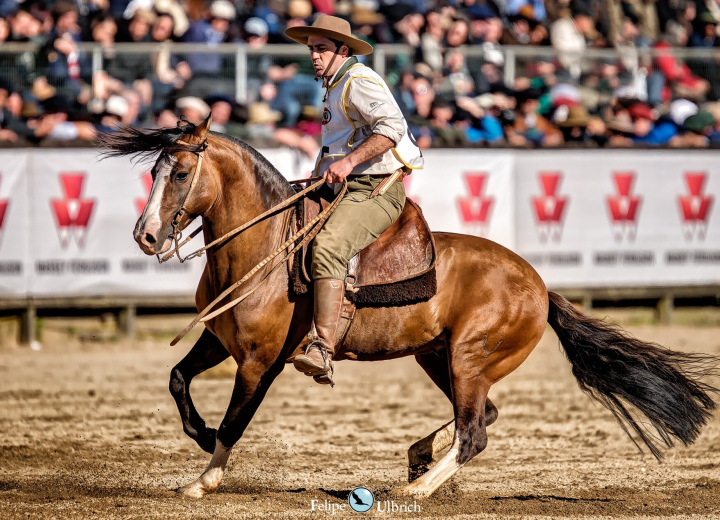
pixel 358 105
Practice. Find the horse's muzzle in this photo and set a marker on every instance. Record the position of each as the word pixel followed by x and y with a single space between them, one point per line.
pixel 146 237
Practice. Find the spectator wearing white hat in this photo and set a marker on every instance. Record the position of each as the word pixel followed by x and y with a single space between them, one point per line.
pixel 194 108
pixel 116 108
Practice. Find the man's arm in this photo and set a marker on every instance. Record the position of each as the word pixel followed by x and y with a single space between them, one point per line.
pixel 368 102
pixel 373 146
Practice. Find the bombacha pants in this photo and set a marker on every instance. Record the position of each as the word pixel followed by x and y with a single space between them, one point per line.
pixel 354 225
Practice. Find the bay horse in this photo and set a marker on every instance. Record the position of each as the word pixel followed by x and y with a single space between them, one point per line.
pixel 488 314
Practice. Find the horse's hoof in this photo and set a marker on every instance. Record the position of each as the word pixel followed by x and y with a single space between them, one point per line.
pixel 193 490
pixel 411 490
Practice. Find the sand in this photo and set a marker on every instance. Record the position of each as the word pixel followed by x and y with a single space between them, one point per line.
pixel 89 430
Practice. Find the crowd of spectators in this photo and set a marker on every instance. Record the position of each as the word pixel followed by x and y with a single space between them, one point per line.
pixel 453 86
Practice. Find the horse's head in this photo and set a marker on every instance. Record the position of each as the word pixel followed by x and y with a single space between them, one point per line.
pixel 179 191
pixel 183 183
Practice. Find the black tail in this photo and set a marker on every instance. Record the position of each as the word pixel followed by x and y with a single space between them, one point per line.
pixel 617 369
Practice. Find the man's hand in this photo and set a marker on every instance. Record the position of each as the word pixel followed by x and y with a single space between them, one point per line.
pixel 339 170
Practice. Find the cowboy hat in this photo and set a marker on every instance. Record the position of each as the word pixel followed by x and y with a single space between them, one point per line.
pixel 621 123
pixel 333 28
pixel 576 115
pixel 260 113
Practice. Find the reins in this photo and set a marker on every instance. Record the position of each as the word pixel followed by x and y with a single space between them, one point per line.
pixel 306 234
pixel 275 209
pixel 307 231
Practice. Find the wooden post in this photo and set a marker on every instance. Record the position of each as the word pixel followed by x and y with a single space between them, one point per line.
pixel 664 309
pixel 126 321
pixel 587 301
pixel 27 325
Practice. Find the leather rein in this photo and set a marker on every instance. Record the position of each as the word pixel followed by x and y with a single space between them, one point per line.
pixel 305 234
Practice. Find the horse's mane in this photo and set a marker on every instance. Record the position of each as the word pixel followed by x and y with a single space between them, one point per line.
pixel 143 144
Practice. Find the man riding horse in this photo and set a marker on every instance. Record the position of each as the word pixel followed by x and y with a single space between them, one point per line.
pixel 365 139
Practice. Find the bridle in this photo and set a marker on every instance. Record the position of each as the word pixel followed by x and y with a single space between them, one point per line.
pixel 176 233
pixel 290 246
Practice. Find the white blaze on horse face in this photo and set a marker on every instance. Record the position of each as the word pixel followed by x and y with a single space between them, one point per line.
pixel 152 223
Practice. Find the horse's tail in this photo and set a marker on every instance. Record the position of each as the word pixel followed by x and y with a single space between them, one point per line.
pixel 618 370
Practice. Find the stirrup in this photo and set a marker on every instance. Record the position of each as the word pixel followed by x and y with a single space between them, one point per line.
pixel 326 378
pixel 309 367
pixel 324 375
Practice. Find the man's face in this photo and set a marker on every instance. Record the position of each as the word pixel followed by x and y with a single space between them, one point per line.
pixel 67 22
pixel 221 25
pixel 494 30
pixel 163 29
pixel 322 51
pixel 194 116
pixel 642 126
pixel 138 29
pixel 457 35
pixel 221 111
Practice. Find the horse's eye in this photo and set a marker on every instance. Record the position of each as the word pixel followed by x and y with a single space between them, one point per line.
pixel 181 176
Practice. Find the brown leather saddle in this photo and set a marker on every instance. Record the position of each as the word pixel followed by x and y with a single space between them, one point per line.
pixel 397 269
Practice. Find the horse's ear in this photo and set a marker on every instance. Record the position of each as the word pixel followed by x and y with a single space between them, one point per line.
pixel 203 128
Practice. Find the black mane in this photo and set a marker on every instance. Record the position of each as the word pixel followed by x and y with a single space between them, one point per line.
pixel 145 144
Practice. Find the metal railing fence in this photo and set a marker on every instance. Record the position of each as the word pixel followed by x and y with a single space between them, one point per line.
pixel 242 69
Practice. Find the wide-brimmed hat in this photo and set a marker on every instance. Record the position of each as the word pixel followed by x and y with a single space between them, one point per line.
pixel 223 9
pixel 333 28
pixel 260 113
pixel 117 106
pixel 569 116
pixel 193 103
pixel 621 123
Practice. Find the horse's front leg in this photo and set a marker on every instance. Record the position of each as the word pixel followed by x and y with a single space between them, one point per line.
pixel 207 353
pixel 252 381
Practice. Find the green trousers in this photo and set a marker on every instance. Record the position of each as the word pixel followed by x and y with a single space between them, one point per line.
pixel 355 224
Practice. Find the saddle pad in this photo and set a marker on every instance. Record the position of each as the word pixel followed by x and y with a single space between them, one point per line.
pixel 398 268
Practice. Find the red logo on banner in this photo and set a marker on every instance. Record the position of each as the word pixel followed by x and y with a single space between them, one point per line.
pixel 147 184
pixel 73 212
pixel 624 207
pixel 4 203
pixel 475 208
pixel 407 181
pixel 695 208
pixel 550 207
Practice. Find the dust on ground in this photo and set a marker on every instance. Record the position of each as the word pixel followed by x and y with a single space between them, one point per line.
pixel 88 429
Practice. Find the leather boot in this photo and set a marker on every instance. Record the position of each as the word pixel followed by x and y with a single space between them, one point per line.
pixel 317 360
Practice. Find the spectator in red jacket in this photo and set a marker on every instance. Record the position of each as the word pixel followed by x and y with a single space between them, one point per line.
pixel 679 79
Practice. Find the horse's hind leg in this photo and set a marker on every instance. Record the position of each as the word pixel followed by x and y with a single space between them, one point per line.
pixel 422 454
pixel 469 391
pixel 205 354
pixel 436 366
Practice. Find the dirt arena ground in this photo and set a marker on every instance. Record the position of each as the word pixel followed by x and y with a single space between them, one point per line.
pixel 89 430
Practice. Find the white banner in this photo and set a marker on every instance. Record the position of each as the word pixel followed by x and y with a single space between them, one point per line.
pixel 620 218
pixel 583 218
pixel 83 213
pixel 467 191
pixel 14 224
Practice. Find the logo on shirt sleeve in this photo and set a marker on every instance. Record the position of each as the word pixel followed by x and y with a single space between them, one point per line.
pixel 375 105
